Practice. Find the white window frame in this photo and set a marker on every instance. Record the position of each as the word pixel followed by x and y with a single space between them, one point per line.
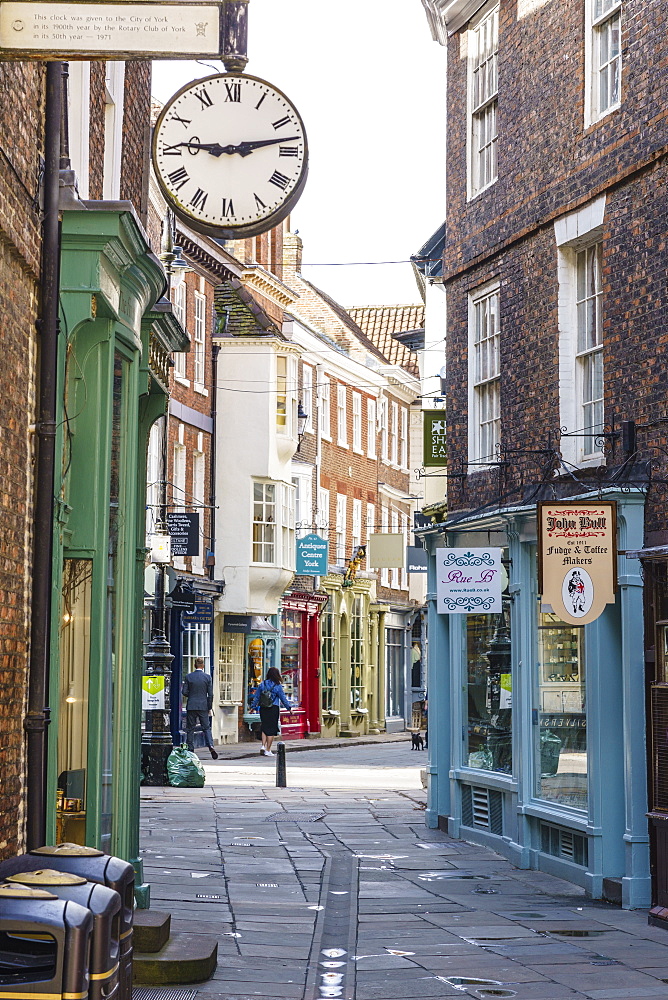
pixel 199 344
pixel 114 108
pixel 602 19
pixel 307 396
pixel 357 422
pixel 199 471
pixel 342 415
pixel 153 477
pixel 264 508
pixel 482 40
pixel 356 539
pixel 341 517
pixel 574 233
pixel 325 412
pixel 384 529
pixel 404 531
pixel 370 520
pixel 484 376
pixel 394 434
pixel 322 512
pixel 179 463
pixel 288 554
pixel 403 439
pixel 230 671
pixel 394 528
pixel 371 428
pixel 303 484
pixel 382 424
pixel 180 299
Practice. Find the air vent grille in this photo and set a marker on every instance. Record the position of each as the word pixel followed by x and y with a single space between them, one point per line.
pixel 660 745
pixel 564 844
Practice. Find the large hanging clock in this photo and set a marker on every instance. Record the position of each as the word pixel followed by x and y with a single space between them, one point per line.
pixel 230 155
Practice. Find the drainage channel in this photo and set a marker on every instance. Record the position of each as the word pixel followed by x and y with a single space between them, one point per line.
pixel 331 967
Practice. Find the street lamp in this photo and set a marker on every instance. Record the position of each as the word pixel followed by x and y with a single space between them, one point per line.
pixel 302 417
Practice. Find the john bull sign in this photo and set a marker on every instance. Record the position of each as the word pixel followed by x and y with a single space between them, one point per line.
pixel 577 558
pixel 468 581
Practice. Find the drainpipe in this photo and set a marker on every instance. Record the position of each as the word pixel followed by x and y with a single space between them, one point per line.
pixel 215 350
pixel 37 716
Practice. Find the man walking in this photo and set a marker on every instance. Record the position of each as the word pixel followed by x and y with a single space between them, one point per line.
pixel 198 691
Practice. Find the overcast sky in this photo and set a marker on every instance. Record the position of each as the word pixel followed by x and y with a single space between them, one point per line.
pixel 369 83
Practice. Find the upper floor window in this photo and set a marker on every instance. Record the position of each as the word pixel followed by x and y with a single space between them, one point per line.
pixel 589 350
pixel 483 46
pixel 394 434
pixel 382 422
pixel 322 512
pixel 341 505
pixel 264 522
pixel 606 56
pixel 325 426
pixel 307 395
pixel 484 376
pixel 404 438
pixel 356 525
pixel 357 422
pixel 281 391
pixel 342 425
pixel 371 428
pixel 179 293
pixel 199 340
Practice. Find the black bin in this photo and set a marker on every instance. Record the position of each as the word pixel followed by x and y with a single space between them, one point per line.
pixel 44 944
pixel 94 866
pixel 105 905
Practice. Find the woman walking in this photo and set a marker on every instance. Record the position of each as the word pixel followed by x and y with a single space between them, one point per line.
pixel 269 696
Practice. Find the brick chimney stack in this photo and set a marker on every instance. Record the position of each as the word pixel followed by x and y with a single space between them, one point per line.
pixel 292 255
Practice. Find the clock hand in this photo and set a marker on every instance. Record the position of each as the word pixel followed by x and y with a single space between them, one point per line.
pixel 245 148
pixel 211 147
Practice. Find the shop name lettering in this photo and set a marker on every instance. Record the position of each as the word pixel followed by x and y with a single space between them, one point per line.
pixel 583 525
pixel 456 576
pixel 573 555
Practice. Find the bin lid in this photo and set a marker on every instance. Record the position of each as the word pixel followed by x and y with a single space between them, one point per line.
pixel 70 850
pixel 24 892
pixel 46 876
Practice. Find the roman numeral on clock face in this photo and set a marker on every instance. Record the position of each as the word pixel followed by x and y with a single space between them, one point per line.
pixel 233 92
pixel 258 201
pixel 175 150
pixel 281 122
pixel 198 200
pixel 260 101
pixel 204 97
pixel 177 118
pixel 288 151
pixel 228 208
pixel 280 180
pixel 178 178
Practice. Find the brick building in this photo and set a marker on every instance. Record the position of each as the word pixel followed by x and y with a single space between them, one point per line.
pixel 554 267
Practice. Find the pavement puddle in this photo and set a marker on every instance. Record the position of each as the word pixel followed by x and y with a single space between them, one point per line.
pixel 478 987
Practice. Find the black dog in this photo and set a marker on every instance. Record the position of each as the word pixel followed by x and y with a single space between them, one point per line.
pixel 417 743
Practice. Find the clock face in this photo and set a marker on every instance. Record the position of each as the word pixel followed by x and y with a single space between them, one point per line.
pixel 230 155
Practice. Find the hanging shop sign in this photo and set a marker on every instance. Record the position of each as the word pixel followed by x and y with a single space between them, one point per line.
pixel 577 558
pixel 152 692
pixel 145 30
pixel 312 555
pixel 416 559
pixel 239 624
pixel 386 550
pixel 435 453
pixel 201 614
pixel 468 581
pixel 184 533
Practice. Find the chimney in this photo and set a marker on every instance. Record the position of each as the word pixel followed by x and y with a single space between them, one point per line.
pixel 292 255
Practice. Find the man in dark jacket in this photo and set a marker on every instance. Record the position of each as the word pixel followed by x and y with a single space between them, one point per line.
pixel 198 691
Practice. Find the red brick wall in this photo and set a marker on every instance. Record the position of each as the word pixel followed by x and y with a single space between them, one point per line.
pixel 137 136
pixel 21 142
pixel 96 130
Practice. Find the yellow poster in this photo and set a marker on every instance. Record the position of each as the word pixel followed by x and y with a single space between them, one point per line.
pixel 577 558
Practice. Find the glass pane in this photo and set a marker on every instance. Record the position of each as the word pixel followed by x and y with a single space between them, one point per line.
pixel 561 738
pixel 489 692
pixel 291 670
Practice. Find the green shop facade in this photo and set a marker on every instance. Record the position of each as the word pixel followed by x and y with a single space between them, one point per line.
pixel 117 333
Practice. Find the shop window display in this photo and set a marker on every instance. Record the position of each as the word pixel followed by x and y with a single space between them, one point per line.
pixel 561 738
pixel 489 691
pixel 328 654
pixel 290 656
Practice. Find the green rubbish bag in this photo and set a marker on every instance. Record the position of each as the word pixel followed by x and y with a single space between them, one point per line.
pixel 184 768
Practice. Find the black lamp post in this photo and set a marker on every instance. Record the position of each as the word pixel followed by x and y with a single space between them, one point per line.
pixel 302 417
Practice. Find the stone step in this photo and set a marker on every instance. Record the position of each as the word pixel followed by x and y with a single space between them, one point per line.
pixel 186 958
pixel 151 930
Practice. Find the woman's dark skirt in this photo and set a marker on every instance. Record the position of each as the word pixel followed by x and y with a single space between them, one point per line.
pixel 269 720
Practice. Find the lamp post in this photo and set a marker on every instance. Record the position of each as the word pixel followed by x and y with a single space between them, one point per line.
pixel 302 417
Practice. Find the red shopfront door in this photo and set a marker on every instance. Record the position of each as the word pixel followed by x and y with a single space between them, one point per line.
pixel 300 662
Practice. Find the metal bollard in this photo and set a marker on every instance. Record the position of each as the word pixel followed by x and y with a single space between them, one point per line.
pixel 281 776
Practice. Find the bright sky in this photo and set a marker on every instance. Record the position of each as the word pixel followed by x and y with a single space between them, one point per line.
pixel 369 83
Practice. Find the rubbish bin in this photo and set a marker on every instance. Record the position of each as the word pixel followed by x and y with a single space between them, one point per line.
pixel 550 748
pixel 105 905
pixel 44 944
pixel 94 866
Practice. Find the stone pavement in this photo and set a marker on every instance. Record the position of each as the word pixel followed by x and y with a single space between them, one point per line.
pixel 334 888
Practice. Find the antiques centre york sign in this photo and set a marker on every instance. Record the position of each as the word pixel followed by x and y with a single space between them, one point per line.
pixel 577 558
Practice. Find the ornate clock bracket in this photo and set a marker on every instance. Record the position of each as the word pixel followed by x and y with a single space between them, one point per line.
pixel 234 39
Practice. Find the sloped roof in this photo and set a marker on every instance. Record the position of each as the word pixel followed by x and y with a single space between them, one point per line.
pixel 345 318
pixel 383 324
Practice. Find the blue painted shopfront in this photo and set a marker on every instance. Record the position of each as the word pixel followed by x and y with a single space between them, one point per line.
pixel 536 727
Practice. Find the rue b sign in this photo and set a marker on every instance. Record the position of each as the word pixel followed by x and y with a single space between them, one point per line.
pixel 184 534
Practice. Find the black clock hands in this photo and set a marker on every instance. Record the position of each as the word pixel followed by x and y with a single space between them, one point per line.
pixel 243 148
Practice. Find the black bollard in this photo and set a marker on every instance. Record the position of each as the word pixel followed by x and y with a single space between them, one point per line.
pixel 281 776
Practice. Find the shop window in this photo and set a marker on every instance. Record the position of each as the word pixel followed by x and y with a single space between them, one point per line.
pixel 489 692
pixel 328 658
pixel 260 657
pixel 230 667
pixel 394 689
pixel 357 657
pixel 290 656
pixel 561 739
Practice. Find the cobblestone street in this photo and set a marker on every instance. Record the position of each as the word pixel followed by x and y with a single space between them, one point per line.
pixel 333 887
